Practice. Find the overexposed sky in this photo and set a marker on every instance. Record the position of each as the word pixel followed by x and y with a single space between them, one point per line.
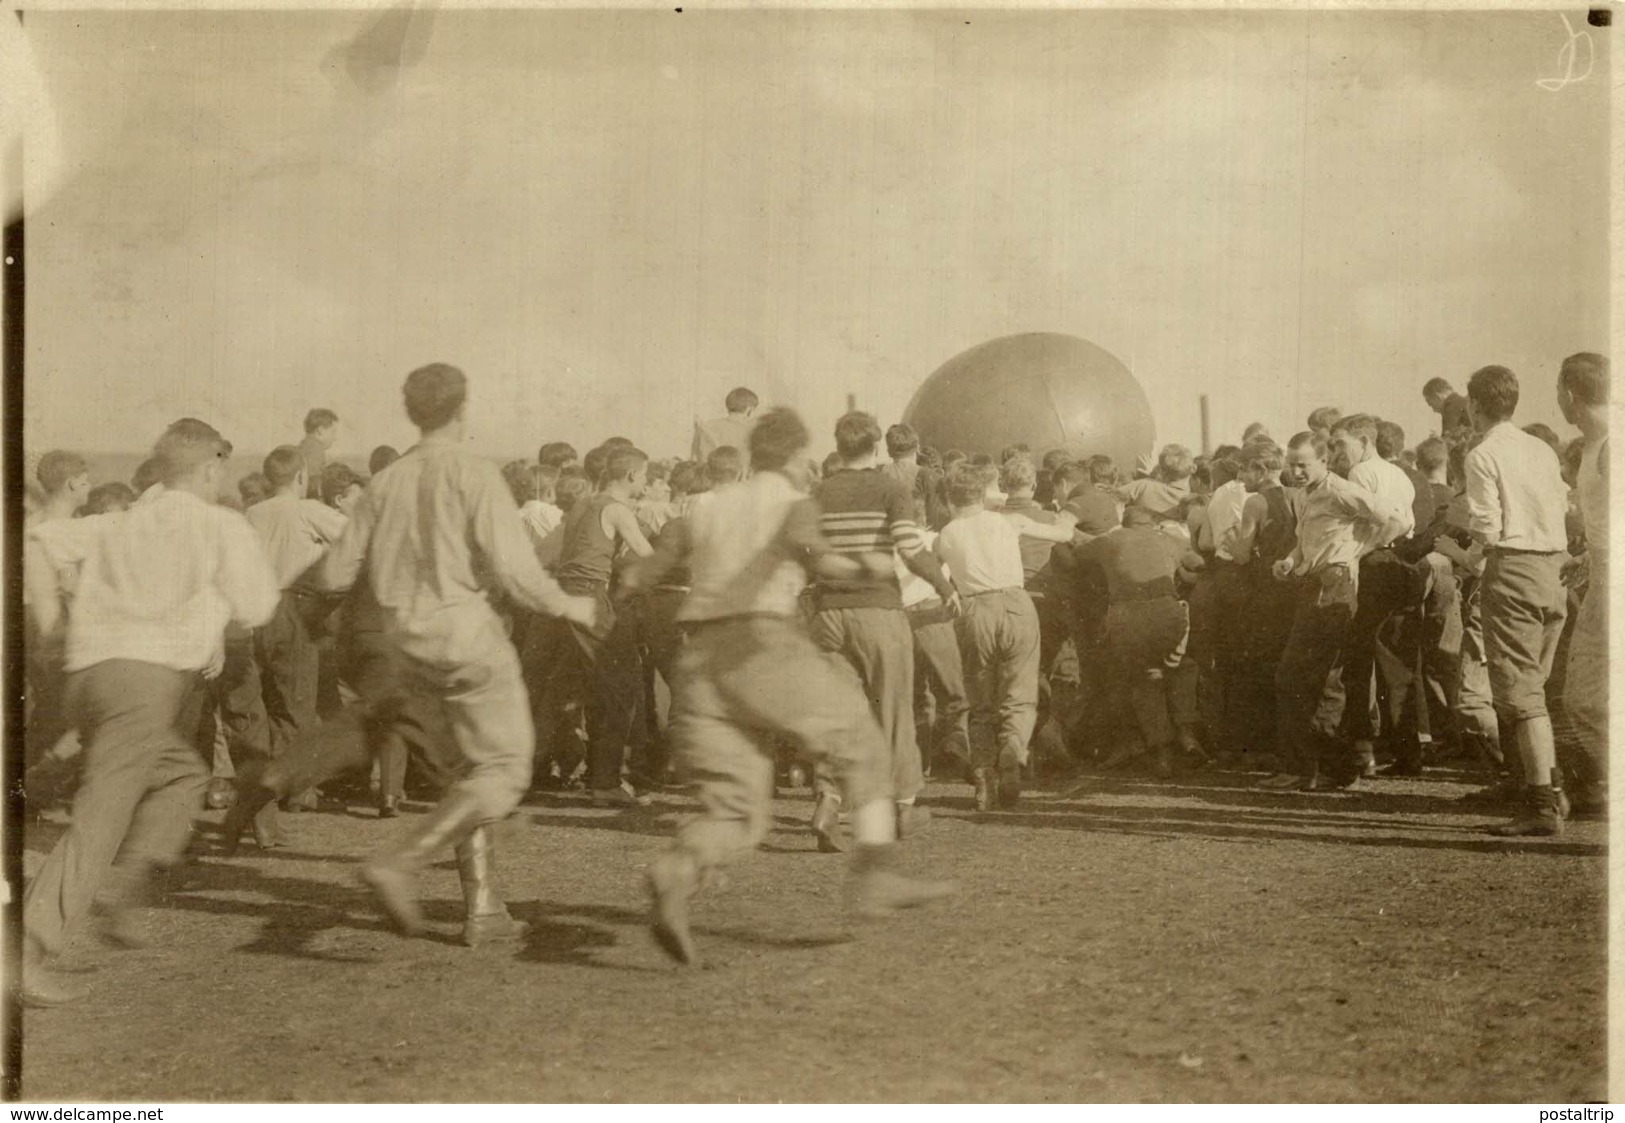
pixel 610 219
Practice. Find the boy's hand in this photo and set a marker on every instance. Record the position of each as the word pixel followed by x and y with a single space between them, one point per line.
pixel 581 610
pixel 1282 569
pixel 956 607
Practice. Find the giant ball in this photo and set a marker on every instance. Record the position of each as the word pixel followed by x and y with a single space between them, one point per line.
pixel 1041 389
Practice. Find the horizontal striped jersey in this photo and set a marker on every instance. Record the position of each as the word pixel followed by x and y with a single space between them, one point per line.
pixel 866 510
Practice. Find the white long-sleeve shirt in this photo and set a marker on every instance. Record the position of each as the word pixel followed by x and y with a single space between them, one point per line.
pixel 1516 497
pixel 159 583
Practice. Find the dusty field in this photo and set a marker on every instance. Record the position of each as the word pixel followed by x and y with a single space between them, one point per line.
pixel 1194 940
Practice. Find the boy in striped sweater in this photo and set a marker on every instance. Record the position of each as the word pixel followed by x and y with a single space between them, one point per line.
pixel 867 510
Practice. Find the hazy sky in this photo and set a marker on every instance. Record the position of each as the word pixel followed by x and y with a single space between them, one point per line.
pixel 610 219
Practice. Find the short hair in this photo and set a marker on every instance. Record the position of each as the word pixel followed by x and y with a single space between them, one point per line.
pixel 1432 454
pixel 1135 515
pixel 1174 462
pixel 777 437
pixel 613 443
pixel 320 419
pixel 1390 439
pixel 111 496
pixel 382 457
pixel 724 465
pixel 1017 474
pixel 966 485
pixel 57 468
pixel 1065 479
pixel 983 460
pixel 338 478
pixel 660 469
pixel 740 399
pixel 688 478
pixel 1253 431
pixel 622 462
pixel 147 473
pixel 1361 425
pixel 1020 448
pixel 1437 386
pixel 593 463
pixel 520 476
pixel 1223 469
pixel 856 434
pixel 1054 458
pixel 253 488
pixel 951 457
pixel 831 465
pixel 1585 377
pixel 1265 454
pixel 1546 433
pixel 434 394
pixel 930 457
pixel 282 464
pixel 1226 451
pixel 547 479
pixel 557 454
pixel 1101 469
pixel 901 439
pixel 1494 392
pixel 1324 418
pixel 1312 439
pixel 572 489
pixel 187 446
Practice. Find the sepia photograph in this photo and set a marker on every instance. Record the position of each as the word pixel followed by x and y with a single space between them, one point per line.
pixel 794 555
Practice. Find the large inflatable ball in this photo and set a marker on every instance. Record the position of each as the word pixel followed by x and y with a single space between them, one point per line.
pixel 1040 389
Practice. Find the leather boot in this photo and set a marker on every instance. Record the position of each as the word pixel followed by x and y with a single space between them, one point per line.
pixel 878 890
pixel 255 805
pixel 987 788
pixel 674 878
pixel 1542 820
pixel 121 905
pixel 389 873
pixel 488 920
pixel 1009 779
pixel 826 824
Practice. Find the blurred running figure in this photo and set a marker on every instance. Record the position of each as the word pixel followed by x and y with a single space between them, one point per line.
pixel 157 585
pixel 749 672
pixel 436 531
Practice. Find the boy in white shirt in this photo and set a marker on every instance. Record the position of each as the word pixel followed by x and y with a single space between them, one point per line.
pixel 998 630
pixel 157 585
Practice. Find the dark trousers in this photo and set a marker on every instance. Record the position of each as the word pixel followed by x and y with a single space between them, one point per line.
pixel 239 698
pixel 391 723
pixel 1228 667
pixel 1146 640
pixel 941 706
pixel 1387 586
pixel 143 786
pixel 599 668
pixel 46 683
pixel 289 665
pixel 1440 657
pixel 1309 678
pixel 660 640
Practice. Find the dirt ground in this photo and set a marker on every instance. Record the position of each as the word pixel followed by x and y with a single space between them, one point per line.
pixel 1196 940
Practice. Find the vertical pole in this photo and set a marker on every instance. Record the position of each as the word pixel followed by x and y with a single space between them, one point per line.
pixel 11 631
pixel 1207 432
pixel 851 403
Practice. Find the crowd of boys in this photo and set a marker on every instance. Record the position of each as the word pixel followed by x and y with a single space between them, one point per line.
pixel 1320 611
